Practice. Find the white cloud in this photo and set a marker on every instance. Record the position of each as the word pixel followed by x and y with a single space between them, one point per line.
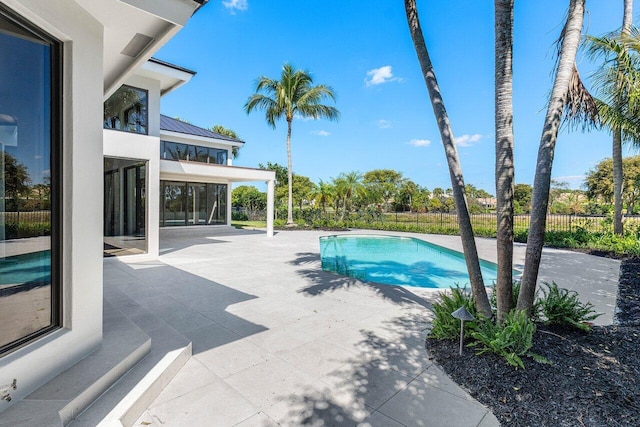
pixel 234 5
pixel 467 140
pixel 302 118
pixel 320 132
pixel 384 124
pixel 380 75
pixel 419 142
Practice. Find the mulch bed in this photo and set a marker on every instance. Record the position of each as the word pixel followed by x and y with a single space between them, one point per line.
pixel 594 378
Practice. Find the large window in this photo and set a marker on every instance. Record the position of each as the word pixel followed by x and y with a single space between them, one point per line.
pixel 190 203
pixel 192 153
pixel 30 153
pixel 127 110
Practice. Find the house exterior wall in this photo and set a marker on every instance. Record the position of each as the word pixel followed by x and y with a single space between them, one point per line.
pixel 81 332
pixel 143 147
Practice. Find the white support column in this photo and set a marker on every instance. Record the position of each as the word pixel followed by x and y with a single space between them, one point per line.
pixel 229 188
pixel 270 201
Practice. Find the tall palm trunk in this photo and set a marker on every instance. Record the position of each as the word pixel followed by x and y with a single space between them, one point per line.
pixel 541 185
pixel 616 154
pixel 504 153
pixel 455 171
pixel 289 175
pixel 616 151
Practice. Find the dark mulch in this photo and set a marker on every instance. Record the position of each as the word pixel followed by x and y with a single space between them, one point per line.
pixel 594 379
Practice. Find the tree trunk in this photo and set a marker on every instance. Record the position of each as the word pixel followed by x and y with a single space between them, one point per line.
pixel 289 176
pixel 455 171
pixel 627 17
pixel 542 180
pixel 616 152
pixel 617 181
pixel 504 153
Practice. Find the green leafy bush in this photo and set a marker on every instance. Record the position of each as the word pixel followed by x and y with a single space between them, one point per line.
pixel 562 307
pixel 511 340
pixel 444 325
pixel 239 216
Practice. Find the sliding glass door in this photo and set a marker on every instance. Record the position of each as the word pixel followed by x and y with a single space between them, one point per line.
pixel 125 210
pixel 189 203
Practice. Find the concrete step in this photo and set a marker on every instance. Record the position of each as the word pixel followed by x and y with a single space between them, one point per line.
pixel 63 398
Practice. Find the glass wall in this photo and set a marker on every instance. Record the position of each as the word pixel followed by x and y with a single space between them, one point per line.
pixel 189 203
pixel 30 151
pixel 125 206
pixel 192 153
pixel 127 110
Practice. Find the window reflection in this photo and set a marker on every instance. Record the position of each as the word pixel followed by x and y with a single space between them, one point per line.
pixel 192 153
pixel 124 206
pixel 189 203
pixel 127 110
pixel 27 282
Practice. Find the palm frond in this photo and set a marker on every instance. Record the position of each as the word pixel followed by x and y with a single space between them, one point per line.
pixel 580 108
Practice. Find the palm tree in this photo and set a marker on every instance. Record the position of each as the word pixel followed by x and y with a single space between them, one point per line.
pixel 455 171
pixel 613 80
pixel 235 151
pixel 292 95
pixel 323 194
pixel 560 96
pixel 504 153
pixel 348 186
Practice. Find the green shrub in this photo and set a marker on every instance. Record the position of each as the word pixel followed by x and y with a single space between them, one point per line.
pixel 239 216
pixel 562 307
pixel 511 340
pixel 444 325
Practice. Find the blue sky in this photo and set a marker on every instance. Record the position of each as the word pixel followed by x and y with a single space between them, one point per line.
pixel 364 51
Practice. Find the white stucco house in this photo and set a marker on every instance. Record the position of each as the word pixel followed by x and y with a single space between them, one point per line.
pixel 163 174
pixel 88 163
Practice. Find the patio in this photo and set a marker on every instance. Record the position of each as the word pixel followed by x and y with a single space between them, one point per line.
pixel 275 340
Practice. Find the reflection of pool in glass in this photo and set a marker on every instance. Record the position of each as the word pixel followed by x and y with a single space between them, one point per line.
pixel 33 268
pixel 402 261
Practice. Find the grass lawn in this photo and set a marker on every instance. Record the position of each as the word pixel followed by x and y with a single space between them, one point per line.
pixel 249 224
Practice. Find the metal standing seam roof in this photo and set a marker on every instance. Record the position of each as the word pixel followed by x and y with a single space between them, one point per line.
pixel 173 125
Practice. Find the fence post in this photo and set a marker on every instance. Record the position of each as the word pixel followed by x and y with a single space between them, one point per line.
pixel 570 222
pixel 441 224
pixel 396 217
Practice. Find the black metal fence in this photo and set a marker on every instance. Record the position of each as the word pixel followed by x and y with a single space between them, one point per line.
pixel 448 222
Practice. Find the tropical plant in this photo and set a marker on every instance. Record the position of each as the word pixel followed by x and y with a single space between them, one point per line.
pixel 292 95
pixel 561 97
pixel 511 340
pixel 235 151
pixel 444 325
pixel 323 194
pixel 562 307
pixel 347 187
pixel 455 170
pixel 617 87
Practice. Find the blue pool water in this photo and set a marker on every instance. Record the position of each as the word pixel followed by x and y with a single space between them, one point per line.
pixel 31 268
pixel 398 261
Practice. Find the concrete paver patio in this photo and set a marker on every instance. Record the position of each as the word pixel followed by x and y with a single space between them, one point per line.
pixel 277 341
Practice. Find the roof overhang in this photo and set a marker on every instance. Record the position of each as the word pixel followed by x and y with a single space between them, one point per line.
pixel 191 171
pixel 170 76
pixel 134 30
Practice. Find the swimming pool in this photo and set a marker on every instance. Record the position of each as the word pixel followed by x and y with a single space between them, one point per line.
pixel 31 268
pixel 404 261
